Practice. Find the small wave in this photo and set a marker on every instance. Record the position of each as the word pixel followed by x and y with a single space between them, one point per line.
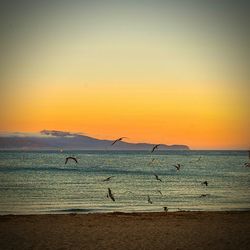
pixel 72 210
pixel 80 169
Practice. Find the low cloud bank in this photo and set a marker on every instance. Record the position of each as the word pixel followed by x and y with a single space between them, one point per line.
pixel 59 133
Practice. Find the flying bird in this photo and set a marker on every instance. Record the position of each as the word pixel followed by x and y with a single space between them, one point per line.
pixel 155 147
pixel 70 158
pixel 205 183
pixel 178 166
pixel 110 195
pixel 107 179
pixel 119 139
pixel 159 191
pixel 149 200
pixel 157 177
pixel 196 160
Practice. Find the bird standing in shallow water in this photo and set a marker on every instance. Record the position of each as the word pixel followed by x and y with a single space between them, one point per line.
pixel 149 200
pixel 205 183
pixel 203 195
pixel 165 209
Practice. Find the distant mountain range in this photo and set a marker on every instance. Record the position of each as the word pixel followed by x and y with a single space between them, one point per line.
pixel 53 139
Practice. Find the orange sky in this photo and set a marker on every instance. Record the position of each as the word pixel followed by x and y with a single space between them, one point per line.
pixel 159 78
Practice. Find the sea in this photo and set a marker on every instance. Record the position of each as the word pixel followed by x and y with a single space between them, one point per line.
pixel 39 182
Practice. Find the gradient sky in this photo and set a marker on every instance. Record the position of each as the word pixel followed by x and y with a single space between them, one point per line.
pixel 173 72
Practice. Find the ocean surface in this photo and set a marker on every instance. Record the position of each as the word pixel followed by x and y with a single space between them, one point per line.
pixel 40 182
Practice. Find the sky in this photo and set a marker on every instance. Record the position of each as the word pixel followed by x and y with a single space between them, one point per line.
pixel 173 72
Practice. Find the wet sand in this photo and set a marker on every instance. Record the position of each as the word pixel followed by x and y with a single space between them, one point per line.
pixel 175 230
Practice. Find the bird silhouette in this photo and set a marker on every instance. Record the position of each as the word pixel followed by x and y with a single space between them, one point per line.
pixel 205 183
pixel 203 195
pixel 157 177
pixel 155 147
pixel 70 158
pixel 110 195
pixel 107 179
pixel 159 191
pixel 149 200
pixel 196 160
pixel 178 166
pixel 119 139
pixel 165 209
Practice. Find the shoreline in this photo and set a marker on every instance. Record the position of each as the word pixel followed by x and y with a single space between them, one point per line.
pixel 102 212
pixel 118 230
pixel 84 212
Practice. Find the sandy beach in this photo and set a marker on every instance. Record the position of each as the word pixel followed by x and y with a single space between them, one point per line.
pixel 175 230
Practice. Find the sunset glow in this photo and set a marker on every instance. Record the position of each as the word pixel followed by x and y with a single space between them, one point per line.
pixel 158 73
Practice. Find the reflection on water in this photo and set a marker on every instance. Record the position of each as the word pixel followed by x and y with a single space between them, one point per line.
pixel 40 182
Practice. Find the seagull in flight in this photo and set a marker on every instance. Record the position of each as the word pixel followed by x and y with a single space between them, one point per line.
pixel 155 147
pixel 178 166
pixel 157 177
pixel 196 160
pixel 205 183
pixel 119 139
pixel 110 195
pixel 70 158
pixel 149 200
pixel 159 191
pixel 107 179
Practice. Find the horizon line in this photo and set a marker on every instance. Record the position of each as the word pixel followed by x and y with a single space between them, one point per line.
pixel 72 134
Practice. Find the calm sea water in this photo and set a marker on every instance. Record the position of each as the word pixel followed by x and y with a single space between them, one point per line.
pixel 40 182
